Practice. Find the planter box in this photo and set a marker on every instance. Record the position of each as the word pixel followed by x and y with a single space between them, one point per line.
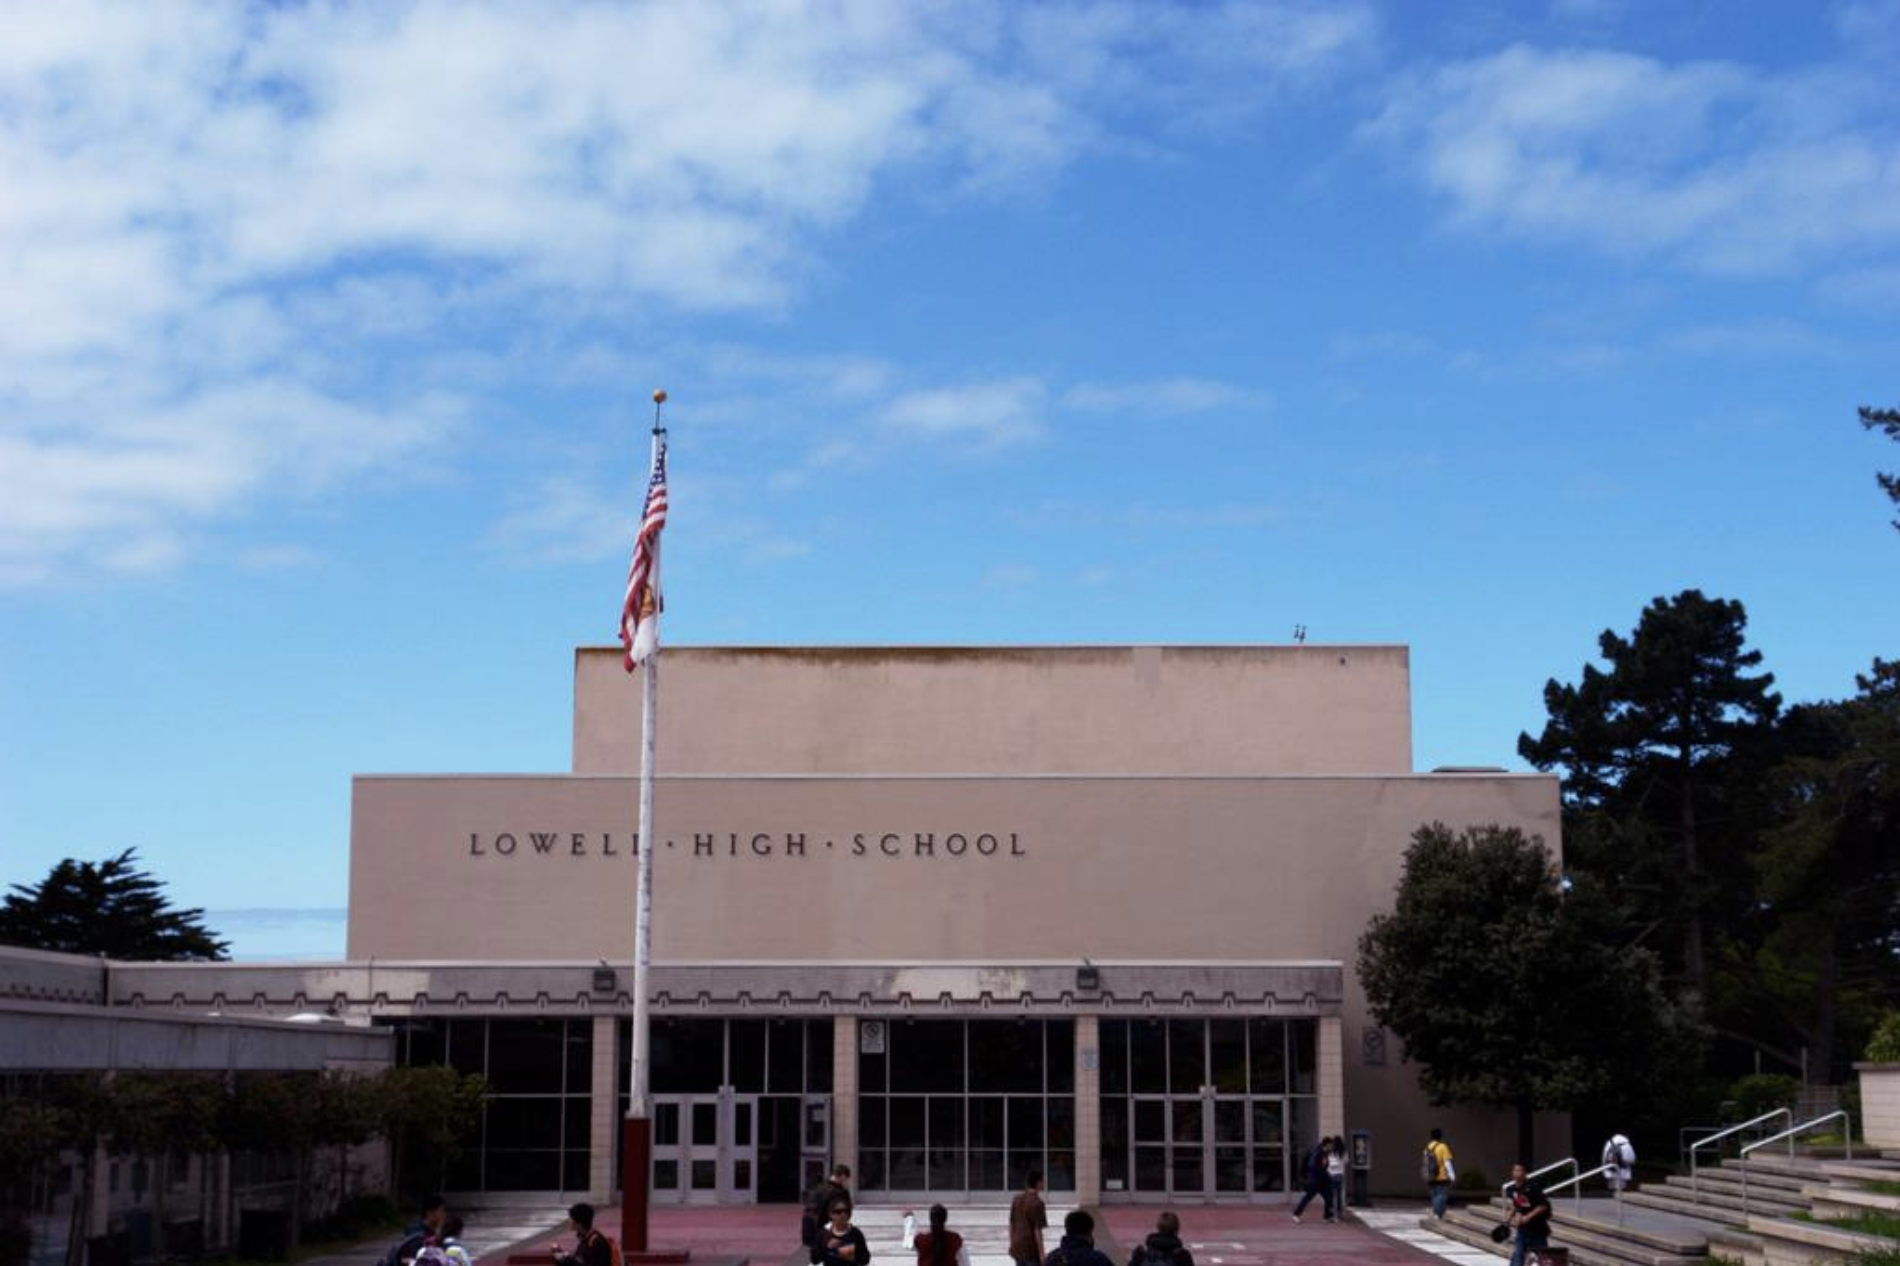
pixel 1880 1104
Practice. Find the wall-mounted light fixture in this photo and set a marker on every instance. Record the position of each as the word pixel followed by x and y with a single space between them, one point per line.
pixel 605 981
pixel 1088 977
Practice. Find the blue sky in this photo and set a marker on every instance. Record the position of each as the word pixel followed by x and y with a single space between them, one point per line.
pixel 326 334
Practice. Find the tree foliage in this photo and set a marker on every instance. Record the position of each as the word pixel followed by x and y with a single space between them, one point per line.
pixel 1506 992
pixel 1644 746
pixel 1887 420
pixel 111 908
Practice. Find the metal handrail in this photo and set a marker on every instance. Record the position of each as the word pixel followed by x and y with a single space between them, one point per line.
pixel 1847 1133
pixel 1505 1188
pixel 1695 1186
pixel 1616 1188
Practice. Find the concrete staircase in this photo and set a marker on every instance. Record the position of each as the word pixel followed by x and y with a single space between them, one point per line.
pixel 1590 1230
pixel 1677 1223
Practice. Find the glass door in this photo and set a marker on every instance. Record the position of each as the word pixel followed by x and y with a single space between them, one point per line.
pixel 814 1143
pixel 705 1148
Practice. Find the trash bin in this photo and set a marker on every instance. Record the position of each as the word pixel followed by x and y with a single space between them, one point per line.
pixel 1548 1257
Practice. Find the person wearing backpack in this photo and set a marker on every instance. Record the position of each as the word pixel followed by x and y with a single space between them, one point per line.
pixel 1317 1181
pixel 1163 1247
pixel 1436 1169
pixel 1620 1152
pixel 591 1247
pixel 420 1234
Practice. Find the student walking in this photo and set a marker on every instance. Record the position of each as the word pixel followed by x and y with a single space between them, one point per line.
pixel 840 1243
pixel 818 1203
pixel 1317 1182
pixel 1438 1173
pixel 1028 1218
pixel 1530 1215
pixel 1620 1152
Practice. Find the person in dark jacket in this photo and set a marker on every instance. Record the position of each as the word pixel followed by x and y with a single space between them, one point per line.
pixel 840 1243
pixel 591 1248
pixel 1318 1182
pixel 1163 1247
pixel 1078 1243
pixel 420 1234
pixel 818 1203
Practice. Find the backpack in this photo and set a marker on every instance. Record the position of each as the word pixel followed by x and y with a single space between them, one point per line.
pixel 1427 1166
pixel 1146 1256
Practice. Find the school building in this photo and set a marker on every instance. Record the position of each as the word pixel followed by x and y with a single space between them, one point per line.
pixel 940 913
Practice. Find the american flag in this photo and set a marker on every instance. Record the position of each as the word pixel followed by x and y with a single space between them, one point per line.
pixel 640 613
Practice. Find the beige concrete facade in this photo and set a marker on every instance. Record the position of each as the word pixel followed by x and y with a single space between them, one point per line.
pixel 1004 710
pixel 953 827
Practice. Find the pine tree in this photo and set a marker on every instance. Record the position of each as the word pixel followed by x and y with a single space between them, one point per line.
pixel 112 908
pixel 1887 420
pixel 1641 745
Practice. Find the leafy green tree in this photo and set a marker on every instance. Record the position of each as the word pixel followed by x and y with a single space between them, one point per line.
pixel 432 1111
pixel 1647 747
pixel 112 908
pixel 1887 420
pixel 31 1133
pixel 1828 870
pixel 1506 992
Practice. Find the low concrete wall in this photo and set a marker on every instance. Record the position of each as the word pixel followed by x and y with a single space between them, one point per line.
pixel 61 1037
pixel 1880 1104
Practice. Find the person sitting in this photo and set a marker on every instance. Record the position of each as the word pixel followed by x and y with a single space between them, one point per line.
pixel 1163 1247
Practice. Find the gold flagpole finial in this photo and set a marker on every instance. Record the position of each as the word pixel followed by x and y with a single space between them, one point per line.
pixel 659 398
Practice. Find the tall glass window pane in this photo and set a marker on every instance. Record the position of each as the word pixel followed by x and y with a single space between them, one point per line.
pixel 786 1052
pixel 1114 1058
pixel 927 1056
pixel 1006 1055
pixel 871 1121
pixel 1187 1056
pixel 745 1056
pixel 1266 1047
pixel 1147 1056
pixel 468 1046
pixel 1059 1042
pixel 1115 1144
pixel 1304 1035
pixel 818 1057
pixel 1227 1048
pixel 526 1056
pixel 986 1121
pixel 689 1056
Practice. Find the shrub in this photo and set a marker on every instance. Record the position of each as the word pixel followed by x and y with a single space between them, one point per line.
pixel 1473 1179
pixel 1764 1092
pixel 1884 1046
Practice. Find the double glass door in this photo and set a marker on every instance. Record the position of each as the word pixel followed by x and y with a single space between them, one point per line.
pixel 705 1148
pixel 1208 1145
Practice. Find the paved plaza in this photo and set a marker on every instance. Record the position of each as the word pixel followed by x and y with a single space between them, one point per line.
pixel 1217 1236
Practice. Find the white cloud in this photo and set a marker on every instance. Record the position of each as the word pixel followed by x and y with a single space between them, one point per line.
pixel 1168 397
pixel 215 216
pixel 1719 166
pixel 993 414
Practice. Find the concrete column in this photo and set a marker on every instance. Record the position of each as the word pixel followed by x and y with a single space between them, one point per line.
pixel 844 1094
pixel 1332 1077
pixel 1088 1110
pixel 603 1113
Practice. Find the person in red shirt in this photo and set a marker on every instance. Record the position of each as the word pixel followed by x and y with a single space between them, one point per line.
pixel 939 1246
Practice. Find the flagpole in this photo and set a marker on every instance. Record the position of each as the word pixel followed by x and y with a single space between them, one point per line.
pixel 637 1130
